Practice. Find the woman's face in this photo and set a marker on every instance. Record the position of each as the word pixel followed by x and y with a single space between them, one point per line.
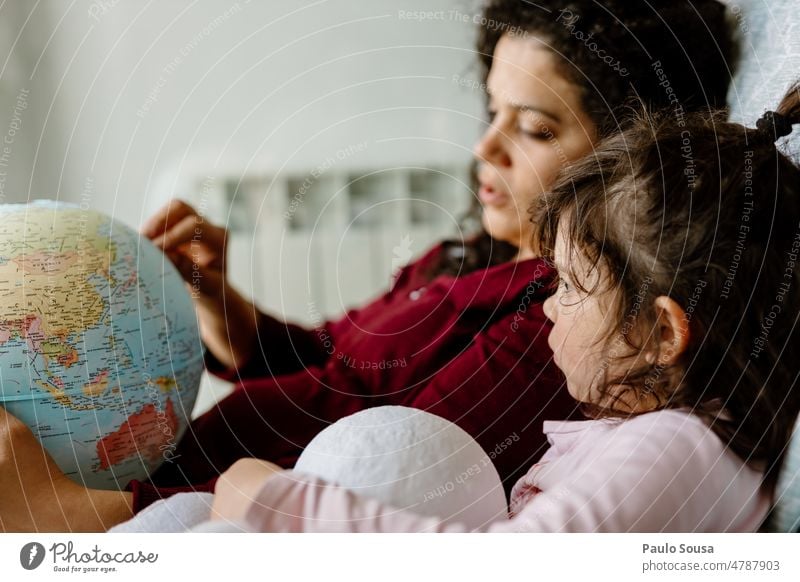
pixel 537 125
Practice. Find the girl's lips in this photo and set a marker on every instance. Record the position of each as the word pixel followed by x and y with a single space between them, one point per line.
pixel 492 197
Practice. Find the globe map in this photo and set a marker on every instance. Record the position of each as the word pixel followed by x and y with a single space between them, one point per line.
pixel 100 353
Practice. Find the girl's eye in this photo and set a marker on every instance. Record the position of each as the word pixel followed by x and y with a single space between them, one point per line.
pixel 492 114
pixel 568 296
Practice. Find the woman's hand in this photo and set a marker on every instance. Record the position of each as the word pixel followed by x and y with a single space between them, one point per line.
pixel 197 249
pixel 237 487
pixel 36 496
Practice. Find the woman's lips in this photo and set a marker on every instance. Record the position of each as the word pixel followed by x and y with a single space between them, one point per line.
pixel 490 196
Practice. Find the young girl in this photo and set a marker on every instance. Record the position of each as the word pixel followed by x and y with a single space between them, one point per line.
pixel 676 245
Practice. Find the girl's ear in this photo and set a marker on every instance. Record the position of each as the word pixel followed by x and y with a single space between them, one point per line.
pixel 672 329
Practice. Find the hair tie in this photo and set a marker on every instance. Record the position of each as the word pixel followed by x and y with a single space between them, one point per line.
pixel 774 125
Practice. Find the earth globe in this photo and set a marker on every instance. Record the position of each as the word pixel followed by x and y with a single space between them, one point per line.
pixel 100 353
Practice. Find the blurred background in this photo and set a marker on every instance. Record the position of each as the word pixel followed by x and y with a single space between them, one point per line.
pixel 332 137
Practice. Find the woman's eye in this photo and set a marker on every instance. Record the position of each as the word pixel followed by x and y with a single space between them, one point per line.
pixel 534 134
pixel 564 285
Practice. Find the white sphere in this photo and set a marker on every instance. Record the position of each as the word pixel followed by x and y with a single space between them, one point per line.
pixel 412 460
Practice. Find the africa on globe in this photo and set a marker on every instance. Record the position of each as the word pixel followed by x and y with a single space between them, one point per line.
pixel 100 353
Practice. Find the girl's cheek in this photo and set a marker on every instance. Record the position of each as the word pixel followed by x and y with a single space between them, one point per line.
pixel 547 307
pixel 551 339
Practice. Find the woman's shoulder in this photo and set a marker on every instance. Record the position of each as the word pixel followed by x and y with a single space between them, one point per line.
pixel 435 263
pixel 509 293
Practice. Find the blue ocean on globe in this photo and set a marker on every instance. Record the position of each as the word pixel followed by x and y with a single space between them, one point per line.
pixel 100 353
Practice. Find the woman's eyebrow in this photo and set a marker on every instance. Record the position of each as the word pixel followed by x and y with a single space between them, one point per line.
pixel 523 107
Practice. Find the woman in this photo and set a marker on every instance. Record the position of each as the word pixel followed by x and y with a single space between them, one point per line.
pixel 466 319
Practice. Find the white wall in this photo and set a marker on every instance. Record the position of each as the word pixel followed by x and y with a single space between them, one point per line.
pixel 128 94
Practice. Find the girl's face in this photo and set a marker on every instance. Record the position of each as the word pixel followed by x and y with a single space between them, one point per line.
pixel 537 125
pixel 581 321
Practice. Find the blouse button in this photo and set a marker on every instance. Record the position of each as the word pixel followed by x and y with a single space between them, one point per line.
pixel 416 293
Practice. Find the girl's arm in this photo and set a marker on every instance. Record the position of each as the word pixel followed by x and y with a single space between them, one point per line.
pixel 663 471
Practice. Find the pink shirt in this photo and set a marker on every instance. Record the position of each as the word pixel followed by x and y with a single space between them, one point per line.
pixel 662 471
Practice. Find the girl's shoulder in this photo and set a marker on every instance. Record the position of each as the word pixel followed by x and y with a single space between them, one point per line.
pixel 669 423
pixel 658 430
pixel 669 432
pixel 672 418
pixel 666 420
pixel 664 442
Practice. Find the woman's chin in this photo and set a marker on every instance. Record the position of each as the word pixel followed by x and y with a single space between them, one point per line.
pixel 500 227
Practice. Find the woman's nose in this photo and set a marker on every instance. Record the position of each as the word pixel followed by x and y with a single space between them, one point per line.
pixel 491 149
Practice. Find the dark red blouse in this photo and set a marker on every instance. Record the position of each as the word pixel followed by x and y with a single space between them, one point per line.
pixel 471 349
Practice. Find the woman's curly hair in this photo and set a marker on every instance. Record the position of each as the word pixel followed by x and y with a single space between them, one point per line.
pixel 663 53
pixel 669 52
